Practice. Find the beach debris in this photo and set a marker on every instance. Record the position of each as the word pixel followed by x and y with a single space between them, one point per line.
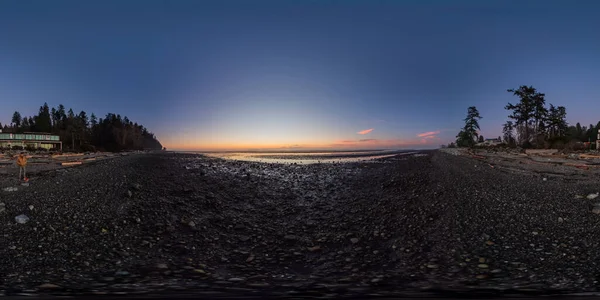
pixel 22 219
pixel 11 189
pixel 593 196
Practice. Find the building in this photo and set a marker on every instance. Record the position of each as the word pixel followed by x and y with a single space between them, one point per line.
pixel 30 139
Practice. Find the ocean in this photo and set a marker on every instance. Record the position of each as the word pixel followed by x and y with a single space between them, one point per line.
pixel 306 157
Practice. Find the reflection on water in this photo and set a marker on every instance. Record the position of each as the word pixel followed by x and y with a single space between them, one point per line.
pixel 310 158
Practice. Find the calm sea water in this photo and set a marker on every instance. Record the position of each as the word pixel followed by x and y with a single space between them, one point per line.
pixel 305 157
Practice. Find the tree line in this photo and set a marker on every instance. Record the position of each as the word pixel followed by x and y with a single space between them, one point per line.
pixel 532 124
pixel 83 133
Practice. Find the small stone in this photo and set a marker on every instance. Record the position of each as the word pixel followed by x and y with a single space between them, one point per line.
pixel 482 266
pixel 2 207
pixel 236 279
pixel 137 186
pixel 250 258
pixel 596 210
pixel 129 194
pixel 192 224
pixel 482 276
pixel 30 207
pixel 432 266
pixel 375 280
pixel 489 243
pixel 593 196
pixel 481 260
pixel 244 238
pixel 560 220
pixel 162 266
pixel 496 271
pixel 239 226
pixel 199 271
pixel 354 240
pixel 545 179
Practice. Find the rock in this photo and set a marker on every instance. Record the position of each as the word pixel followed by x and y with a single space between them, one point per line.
pixel 22 219
pixel 11 189
pixel 250 258
pixel 236 279
pixel 560 220
pixel 162 266
pixel 137 186
pixel 30 207
pixel 432 266
pixel 2 207
pixel 129 194
pixel 496 271
pixel 489 243
pixel 354 240
pixel 199 271
pixel 121 273
pixel 244 238
pixel 48 286
pixel 239 226
pixel 545 179
pixel 596 210
pixel 315 248
pixel 192 224
pixel 375 280
pixel 290 237
pixel 593 196
pixel 482 266
pixel 481 260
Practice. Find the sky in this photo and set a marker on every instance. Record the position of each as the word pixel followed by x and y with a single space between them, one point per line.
pixel 284 74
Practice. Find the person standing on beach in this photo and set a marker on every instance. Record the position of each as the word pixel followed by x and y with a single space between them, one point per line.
pixel 22 163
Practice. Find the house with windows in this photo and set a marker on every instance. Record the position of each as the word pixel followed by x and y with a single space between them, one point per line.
pixel 30 139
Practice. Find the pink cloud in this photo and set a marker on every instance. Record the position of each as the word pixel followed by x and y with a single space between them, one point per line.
pixel 429 133
pixel 365 131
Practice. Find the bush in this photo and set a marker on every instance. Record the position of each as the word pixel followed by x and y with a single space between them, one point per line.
pixel 574 145
pixel 16 147
pixel 42 149
pixel 88 148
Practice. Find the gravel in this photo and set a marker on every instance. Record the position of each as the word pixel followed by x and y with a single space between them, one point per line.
pixel 434 223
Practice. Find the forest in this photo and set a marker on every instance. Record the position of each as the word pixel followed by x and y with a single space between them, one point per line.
pixel 532 123
pixel 80 132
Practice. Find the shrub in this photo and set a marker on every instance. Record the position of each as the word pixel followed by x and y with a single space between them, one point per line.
pixel 88 148
pixel 16 147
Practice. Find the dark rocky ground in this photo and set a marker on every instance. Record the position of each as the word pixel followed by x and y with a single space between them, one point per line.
pixel 181 223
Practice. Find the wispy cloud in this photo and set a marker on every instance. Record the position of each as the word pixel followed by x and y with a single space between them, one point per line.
pixel 365 131
pixel 367 140
pixel 428 133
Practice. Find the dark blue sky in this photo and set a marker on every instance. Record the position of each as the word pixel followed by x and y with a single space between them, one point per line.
pixel 230 74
